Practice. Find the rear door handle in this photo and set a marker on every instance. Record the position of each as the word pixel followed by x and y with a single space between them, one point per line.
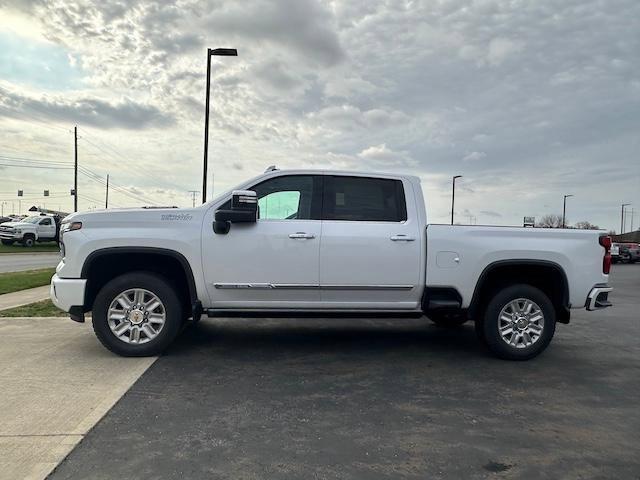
pixel 301 235
pixel 401 238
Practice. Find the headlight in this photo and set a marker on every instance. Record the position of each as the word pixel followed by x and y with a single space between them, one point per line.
pixel 69 227
pixel 17 231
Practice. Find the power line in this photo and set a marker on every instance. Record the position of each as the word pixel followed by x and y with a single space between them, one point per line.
pixel 98 179
pixel 35 166
pixel 117 155
pixel 39 120
pixel 31 159
pixel 99 202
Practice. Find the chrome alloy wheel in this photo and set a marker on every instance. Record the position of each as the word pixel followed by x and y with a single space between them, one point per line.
pixel 521 323
pixel 136 316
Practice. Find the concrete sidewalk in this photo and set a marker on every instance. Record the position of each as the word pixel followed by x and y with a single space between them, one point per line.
pixel 23 297
pixel 57 381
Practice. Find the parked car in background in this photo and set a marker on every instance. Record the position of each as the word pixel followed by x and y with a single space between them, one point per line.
pixel 625 253
pixel 615 252
pixel 28 231
pixel 5 219
pixel 628 252
pixel 324 243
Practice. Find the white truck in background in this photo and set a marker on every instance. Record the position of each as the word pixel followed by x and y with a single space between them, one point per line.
pixel 322 243
pixel 29 230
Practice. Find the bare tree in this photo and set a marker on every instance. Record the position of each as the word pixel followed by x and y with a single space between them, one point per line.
pixel 586 225
pixel 551 220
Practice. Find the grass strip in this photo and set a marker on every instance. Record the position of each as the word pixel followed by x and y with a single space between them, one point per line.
pixel 16 281
pixel 38 247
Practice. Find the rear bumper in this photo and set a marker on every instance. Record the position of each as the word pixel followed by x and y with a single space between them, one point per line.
pixel 598 297
pixel 67 293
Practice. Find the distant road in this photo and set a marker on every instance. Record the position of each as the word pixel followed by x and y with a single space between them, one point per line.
pixel 19 262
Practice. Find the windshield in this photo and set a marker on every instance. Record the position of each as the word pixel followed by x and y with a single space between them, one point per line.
pixel 34 219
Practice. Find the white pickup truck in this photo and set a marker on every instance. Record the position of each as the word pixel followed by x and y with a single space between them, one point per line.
pixel 322 243
pixel 29 230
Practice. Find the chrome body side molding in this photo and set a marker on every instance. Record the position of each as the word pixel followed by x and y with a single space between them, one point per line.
pixel 301 286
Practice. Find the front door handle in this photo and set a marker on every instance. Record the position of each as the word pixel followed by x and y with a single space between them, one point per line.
pixel 301 235
pixel 401 238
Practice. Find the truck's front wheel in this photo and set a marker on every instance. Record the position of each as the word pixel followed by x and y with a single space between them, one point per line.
pixel 28 240
pixel 7 242
pixel 137 314
pixel 519 322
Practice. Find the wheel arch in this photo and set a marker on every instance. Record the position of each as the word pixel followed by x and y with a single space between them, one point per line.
pixel 546 275
pixel 106 263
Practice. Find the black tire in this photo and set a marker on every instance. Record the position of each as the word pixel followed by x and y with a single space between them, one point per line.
pixel 29 240
pixel 448 320
pixel 154 284
pixel 7 242
pixel 490 323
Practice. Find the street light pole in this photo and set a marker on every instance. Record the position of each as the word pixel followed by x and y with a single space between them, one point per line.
pixel 225 52
pixel 622 222
pixel 75 169
pixel 453 195
pixel 564 209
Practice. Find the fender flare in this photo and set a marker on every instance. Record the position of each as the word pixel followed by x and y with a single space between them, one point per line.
pixel 475 299
pixel 191 284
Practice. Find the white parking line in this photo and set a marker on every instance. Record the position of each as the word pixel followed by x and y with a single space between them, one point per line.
pixel 56 382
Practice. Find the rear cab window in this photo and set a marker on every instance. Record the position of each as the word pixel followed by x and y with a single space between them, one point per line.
pixel 363 199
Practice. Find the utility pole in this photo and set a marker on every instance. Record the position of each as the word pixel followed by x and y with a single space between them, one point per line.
pixel 622 222
pixel 193 196
pixel 632 214
pixel 564 209
pixel 106 195
pixel 75 169
pixel 453 196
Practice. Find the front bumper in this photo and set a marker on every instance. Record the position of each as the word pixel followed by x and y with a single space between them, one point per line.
pixel 10 236
pixel 67 293
pixel 598 297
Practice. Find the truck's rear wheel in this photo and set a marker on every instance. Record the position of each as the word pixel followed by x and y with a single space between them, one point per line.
pixel 519 322
pixel 28 240
pixel 137 314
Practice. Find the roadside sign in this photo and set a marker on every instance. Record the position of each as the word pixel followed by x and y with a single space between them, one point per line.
pixel 529 221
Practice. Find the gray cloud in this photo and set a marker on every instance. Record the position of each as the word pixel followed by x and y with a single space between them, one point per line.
pixel 83 110
pixel 302 26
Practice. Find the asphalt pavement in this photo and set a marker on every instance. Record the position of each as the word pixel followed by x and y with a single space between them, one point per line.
pixel 359 399
pixel 16 262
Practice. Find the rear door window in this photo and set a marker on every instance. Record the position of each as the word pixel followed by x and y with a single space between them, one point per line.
pixel 363 199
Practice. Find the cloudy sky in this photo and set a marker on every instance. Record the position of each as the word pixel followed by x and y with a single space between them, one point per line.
pixel 528 100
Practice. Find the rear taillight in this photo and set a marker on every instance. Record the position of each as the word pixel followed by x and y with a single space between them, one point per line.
pixel 606 261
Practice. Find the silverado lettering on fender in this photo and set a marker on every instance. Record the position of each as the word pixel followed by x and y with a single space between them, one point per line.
pixel 322 243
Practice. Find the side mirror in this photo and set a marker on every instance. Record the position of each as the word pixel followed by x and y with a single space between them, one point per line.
pixel 244 209
pixel 244 200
